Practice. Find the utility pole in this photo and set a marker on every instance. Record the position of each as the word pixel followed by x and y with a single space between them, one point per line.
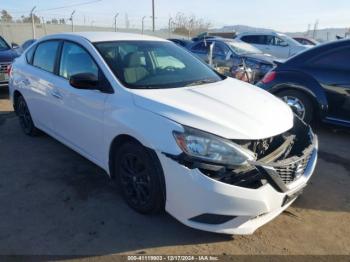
pixel 71 19
pixel 33 25
pixel 170 22
pixel 315 30
pixel 44 25
pixel 115 22
pixel 153 17
pixel 143 23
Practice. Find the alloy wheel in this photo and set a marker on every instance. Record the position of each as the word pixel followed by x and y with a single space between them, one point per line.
pixel 135 179
pixel 296 105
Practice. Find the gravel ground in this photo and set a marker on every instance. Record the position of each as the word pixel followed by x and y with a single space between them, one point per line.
pixel 55 202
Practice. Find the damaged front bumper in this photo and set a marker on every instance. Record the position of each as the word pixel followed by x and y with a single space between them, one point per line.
pixel 238 200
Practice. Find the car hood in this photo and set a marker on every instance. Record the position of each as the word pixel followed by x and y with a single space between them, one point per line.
pixel 230 108
pixel 7 55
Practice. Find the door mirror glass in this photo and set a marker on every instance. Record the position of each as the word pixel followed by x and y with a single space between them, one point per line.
pixel 84 81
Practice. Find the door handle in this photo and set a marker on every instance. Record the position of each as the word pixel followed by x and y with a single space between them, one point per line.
pixel 56 94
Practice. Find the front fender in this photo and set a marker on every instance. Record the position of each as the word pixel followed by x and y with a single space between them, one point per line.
pixel 300 81
pixel 151 130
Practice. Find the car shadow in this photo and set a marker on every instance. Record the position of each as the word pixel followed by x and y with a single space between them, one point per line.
pixel 56 202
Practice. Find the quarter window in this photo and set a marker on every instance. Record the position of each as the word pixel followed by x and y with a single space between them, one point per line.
pixel 29 55
pixel 76 60
pixel 45 55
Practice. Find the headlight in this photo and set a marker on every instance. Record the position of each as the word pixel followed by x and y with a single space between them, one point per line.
pixel 211 148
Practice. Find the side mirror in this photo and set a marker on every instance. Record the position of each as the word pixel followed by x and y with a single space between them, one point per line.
pixel 84 81
pixel 284 44
pixel 14 45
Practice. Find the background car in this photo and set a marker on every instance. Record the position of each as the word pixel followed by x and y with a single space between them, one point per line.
pixel 276 44
pixel 7 55
pixel 230 53
pixel 316 83
pixel 306 41
pixel 181 42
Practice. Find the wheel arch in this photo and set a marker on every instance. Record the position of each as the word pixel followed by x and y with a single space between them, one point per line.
pixel 116 142
pixel 16 95
pixel 306 84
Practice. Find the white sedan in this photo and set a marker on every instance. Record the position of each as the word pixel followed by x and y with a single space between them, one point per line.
pixel 216 153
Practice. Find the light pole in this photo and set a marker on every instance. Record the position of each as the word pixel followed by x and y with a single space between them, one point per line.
pixel 153 17
pixel 170 21
pixel 143 23
pixel 115 22
pixel 71 19
pixel 44 25
pixel 189 29
pixel 32 17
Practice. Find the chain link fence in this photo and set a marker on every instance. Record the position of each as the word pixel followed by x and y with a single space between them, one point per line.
pixel 20 32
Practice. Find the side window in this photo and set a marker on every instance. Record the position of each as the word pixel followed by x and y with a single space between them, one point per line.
pixel 201 47
pixel 45 55
pixel 254 39
pixel 29 55
pixel 221 49
pixel 75 60
pixel 280 42
pixel 338 59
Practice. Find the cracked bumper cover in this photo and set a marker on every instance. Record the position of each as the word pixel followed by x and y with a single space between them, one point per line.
pixel 190 194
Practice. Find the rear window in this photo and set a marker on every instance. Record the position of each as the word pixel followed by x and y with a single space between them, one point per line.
pixel 45 55
pixel 338 59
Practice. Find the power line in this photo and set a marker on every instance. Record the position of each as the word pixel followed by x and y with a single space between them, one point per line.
pixel 68 6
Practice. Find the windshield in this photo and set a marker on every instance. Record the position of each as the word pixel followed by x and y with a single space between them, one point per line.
pixel 154 64
pixel 241 48
pixel 3 44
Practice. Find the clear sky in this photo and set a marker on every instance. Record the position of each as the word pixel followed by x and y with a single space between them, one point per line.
pixel 281 15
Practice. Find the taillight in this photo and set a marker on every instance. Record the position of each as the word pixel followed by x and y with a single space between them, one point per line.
pixel 269 77
pixel 8 70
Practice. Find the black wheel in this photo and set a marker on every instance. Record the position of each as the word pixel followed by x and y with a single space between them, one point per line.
pixel 299 102
pixel 25 119
pixel 140 178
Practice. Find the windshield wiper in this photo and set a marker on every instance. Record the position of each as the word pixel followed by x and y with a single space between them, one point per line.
pixel 201 82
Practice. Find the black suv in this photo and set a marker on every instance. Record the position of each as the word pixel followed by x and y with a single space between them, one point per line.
pixel 7 55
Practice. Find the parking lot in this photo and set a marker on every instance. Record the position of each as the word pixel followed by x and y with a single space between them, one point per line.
pixel 55 202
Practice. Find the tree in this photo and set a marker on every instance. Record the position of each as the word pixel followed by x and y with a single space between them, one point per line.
pixel 189 24
pixel 28 19
pixel 6 17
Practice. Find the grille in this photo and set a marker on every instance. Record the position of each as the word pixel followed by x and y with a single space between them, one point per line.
pixel 3 67
pixel 292 171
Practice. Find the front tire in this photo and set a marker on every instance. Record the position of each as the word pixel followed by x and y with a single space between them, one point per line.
pixel 25 118
pixel 140 178
pixel 299 102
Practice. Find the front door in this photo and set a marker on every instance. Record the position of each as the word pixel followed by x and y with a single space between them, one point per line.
pixel 79 118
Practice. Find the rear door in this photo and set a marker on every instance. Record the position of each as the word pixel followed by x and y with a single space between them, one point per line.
pixel 332 70
pixel 38 79
pixel 79 118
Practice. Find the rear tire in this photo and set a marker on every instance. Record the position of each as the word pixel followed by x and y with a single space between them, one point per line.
pixel 25 118
pixel 140 178
pixel 299 102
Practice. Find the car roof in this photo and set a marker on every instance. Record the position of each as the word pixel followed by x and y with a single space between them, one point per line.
pixel 103 36
pixel 302 57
